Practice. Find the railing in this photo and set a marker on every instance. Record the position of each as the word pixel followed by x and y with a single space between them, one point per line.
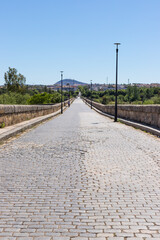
pixel 146 114
pixel 12 114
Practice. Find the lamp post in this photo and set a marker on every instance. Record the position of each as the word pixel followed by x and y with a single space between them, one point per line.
pixel 91 94
pixel 69 90
pixel 73 85
pixel 69 94
pixel 115 117
pixel 61 92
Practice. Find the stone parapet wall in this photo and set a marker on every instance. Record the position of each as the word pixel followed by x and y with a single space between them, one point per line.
pixel 12 114
pixel 147 114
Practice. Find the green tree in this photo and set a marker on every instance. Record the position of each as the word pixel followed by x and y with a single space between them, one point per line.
pixel 142 94
pixel 13 81
pixel 129 94
pixel 136 95
pixel 84 91
pixel 149 93
pixel 106 99
pixel 45 89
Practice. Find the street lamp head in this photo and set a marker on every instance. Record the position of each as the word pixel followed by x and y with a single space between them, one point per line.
pixel 117 44
pixel 61 72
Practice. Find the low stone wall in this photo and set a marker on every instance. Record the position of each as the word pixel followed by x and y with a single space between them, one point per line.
pixel 12 114
pixel 147 114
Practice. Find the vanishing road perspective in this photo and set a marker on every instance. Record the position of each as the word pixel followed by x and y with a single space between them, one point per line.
pixel 80 176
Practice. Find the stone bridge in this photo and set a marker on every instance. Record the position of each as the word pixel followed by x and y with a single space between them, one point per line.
pixel 80 176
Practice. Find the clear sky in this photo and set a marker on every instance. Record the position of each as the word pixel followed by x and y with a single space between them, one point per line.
pixel 42 37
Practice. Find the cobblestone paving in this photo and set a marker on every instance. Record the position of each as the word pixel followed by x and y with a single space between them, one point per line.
pixel 80 176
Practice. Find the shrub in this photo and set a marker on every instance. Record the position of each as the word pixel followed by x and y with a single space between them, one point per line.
pixel 2 125
pixel 45 98
pixel 14 98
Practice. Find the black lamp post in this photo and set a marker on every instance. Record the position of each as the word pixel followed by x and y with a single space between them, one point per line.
pixel 115 117
pixel 69 90
pixel 91 94
pixel 73 85
pixel 69 94
pixel 61 92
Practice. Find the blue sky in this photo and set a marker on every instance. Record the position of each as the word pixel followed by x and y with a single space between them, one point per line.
pixel 42 37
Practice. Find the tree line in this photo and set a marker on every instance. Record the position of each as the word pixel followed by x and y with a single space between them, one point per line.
pixel 130 95
pixel 15 91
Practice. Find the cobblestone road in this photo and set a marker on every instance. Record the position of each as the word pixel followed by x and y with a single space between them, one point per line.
pixel 80 176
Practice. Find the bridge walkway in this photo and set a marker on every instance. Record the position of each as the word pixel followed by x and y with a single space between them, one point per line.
pixel 80 176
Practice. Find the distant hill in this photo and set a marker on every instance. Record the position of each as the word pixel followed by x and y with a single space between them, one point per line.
pixel 71 82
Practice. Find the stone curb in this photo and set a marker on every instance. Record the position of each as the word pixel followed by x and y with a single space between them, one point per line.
pixel 140 126
pixel 6 133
